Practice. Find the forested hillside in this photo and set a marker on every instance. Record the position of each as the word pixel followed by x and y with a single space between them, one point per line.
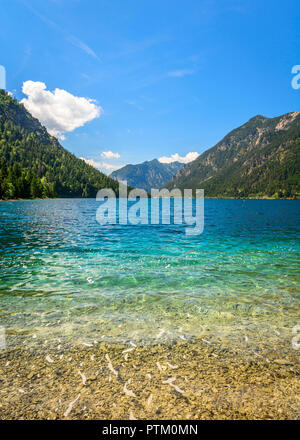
pixel 33 164
pixel 259 159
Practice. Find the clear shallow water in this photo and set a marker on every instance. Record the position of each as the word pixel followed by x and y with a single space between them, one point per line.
pixel 62 275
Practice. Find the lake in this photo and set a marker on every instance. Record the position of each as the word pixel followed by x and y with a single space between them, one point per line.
pixel 60 268
pixel 67 281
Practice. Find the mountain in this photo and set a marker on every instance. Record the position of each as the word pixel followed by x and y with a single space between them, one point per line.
pixel 259 159
pixel 147 175
pixel 33 164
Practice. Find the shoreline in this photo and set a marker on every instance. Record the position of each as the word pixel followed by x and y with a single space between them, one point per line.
pixel 188 380
pixel 212 198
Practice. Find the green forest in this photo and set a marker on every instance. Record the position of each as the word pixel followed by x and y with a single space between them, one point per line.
pixel 34 165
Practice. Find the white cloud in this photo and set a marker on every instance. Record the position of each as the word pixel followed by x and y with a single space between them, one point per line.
pixel 78 43
pixel 110 155
pixel 109 167
pixel 59 111
pixel 103 166
pixel 92 162
pixel 181 73
pixel 69 37
pixel 189 157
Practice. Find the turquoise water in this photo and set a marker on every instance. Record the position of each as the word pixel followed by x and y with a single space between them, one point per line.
pixel 63 276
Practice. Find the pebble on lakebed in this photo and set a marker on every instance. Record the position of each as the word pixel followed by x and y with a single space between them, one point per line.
pixel 195 381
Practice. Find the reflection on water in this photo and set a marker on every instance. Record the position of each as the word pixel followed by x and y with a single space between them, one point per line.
pixel 63 275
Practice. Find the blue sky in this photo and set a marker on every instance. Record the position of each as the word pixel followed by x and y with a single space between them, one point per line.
pixel 170 76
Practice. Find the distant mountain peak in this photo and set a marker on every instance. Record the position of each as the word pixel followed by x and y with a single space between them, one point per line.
pixel 148 174
pixel 258 118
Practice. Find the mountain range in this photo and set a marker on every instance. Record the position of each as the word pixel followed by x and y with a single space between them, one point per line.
pixel 259 159
pixel 147 175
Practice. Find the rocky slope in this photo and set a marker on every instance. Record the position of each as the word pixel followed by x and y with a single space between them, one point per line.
pixel 147 175
pixel 259 159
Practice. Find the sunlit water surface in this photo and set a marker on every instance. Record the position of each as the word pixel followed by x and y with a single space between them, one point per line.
pixel 63 276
